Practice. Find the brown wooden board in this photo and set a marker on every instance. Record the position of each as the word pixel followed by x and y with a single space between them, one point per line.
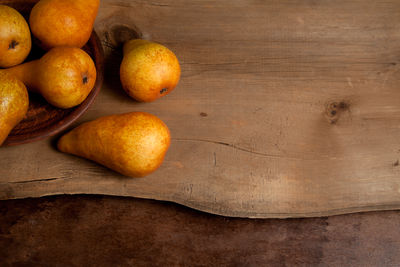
pixel 285 108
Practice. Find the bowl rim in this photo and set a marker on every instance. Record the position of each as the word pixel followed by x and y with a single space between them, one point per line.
pixel 58 126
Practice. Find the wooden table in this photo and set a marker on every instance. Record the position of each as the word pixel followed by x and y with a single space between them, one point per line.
pixel 116 231
pixel 295 102
pixel 284 109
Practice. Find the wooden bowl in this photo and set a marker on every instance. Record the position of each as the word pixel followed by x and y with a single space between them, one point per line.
pixel 42 119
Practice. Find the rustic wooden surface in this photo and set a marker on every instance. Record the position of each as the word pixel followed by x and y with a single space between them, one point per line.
pixel 285 109
pixel 113 231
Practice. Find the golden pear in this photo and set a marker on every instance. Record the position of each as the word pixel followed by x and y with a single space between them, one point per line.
pixel 64 76
pixel 14 103
pixel 63 22
pixel 15 37
pixel 148 70
pixel 133 144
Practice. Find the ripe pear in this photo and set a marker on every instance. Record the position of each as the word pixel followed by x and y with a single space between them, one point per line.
pixel 148 70
pixel 63 22
pixel 14 103
pixel 15 37
pixel 133 144
pixel 64 76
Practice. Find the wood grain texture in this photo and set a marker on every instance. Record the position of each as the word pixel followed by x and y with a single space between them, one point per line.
pixel 285 109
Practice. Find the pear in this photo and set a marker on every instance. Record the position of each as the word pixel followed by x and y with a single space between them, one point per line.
pixel 15 37
pixel 133 144
pixel 63 22
pixel 148 70
pixel 14 103
pixel 64 76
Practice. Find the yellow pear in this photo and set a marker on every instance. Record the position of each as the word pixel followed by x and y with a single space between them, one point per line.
pixel 148 70
pixel 133 144
pixel 14 103
pixel 63 22
pixel 64 76
pixel 15 37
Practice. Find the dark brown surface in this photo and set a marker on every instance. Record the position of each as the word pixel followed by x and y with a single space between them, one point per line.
pixel 42 119
pixel 115 231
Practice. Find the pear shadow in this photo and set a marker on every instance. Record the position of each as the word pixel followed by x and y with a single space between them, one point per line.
pixel 54 139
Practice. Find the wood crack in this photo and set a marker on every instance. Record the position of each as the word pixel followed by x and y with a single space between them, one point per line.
pixel 262 154
pixel 235 147
pixel 34 181
pixel 295 60
pixel 131 5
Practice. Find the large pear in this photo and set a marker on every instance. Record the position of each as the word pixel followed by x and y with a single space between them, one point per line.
pixel 133 144
pixel 63 22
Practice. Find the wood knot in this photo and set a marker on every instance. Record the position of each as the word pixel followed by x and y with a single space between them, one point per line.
pixel 335 109
pixel 115 36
